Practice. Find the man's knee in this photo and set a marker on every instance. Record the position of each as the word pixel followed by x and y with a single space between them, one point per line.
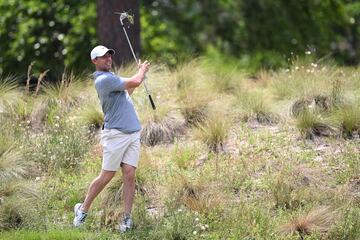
pixel 106 176
pixel 128 172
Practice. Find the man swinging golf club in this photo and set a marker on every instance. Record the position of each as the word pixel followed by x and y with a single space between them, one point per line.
pixel 120 135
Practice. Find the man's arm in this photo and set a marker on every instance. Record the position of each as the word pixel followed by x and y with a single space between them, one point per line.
pixel 136 80
pixel 130 90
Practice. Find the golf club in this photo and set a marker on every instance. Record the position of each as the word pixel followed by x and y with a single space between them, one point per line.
pixel 123 16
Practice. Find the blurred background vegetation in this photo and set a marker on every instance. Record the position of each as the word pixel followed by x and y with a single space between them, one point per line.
pixel 254 34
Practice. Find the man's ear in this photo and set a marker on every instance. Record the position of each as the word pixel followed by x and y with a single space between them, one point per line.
pixel 94 61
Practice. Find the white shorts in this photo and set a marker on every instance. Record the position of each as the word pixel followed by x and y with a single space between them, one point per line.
pixel 118 148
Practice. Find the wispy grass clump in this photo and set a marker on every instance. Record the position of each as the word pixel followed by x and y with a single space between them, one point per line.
pixel 348 119
pixel 311 124
pixel 67 90
pixel 92 115
pixel 13 104
pixel 319 220
pixel 18 198
pixel 214 132
pixel 195 195
pixel 314 104
pixel 12 165
pixel 19 207
pixel 226 82
pixel 8 92
pixel 184 156
pixel 255 105
pixel 163 131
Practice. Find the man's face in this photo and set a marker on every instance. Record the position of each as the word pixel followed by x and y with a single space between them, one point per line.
pixel 103 63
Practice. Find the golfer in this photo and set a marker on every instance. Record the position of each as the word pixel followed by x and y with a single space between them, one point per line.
pixel 120 135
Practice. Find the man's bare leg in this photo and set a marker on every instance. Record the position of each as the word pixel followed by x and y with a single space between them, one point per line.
pixel 96 186
pixel 128 172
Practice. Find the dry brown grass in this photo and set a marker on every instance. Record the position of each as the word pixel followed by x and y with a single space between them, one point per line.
pixel 319 220
pixel 163 131
pixel 197 195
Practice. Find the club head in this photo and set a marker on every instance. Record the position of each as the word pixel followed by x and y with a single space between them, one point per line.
pixel 124 15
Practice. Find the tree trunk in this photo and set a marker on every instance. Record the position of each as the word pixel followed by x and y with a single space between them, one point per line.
pixel 110 32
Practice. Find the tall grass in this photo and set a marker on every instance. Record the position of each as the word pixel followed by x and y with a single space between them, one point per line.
pixel 255 105
pixel 67 90
pixel 193 92
pixel 266 177
pixel 304 80
pixel 8 91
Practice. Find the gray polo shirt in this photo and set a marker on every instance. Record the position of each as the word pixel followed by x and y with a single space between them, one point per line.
pixel 119 112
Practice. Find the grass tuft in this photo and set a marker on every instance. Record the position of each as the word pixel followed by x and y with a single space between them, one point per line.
pixel 214 132
pixel 312 124
pixel 318 220
pixel 164 131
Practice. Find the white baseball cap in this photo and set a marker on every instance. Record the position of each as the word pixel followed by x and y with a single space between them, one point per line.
pixel 100 51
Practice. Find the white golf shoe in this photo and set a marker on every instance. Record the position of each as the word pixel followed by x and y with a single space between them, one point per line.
pixel 80 215
pixel 126 224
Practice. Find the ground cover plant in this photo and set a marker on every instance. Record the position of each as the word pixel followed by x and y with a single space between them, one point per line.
pixel 273 155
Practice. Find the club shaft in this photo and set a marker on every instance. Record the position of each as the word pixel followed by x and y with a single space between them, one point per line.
pixel 127 38
pixel 137 62
pixel 133 53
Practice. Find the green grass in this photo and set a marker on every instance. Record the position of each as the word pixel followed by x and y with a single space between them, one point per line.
pixel 57 234
pixel 208 174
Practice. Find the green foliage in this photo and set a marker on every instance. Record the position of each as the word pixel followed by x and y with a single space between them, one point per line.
pixel 266 177
pixel 262 32
pixel 55 34
pixel 55 234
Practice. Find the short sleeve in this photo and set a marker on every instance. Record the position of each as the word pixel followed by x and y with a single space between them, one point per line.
pixel 114 83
